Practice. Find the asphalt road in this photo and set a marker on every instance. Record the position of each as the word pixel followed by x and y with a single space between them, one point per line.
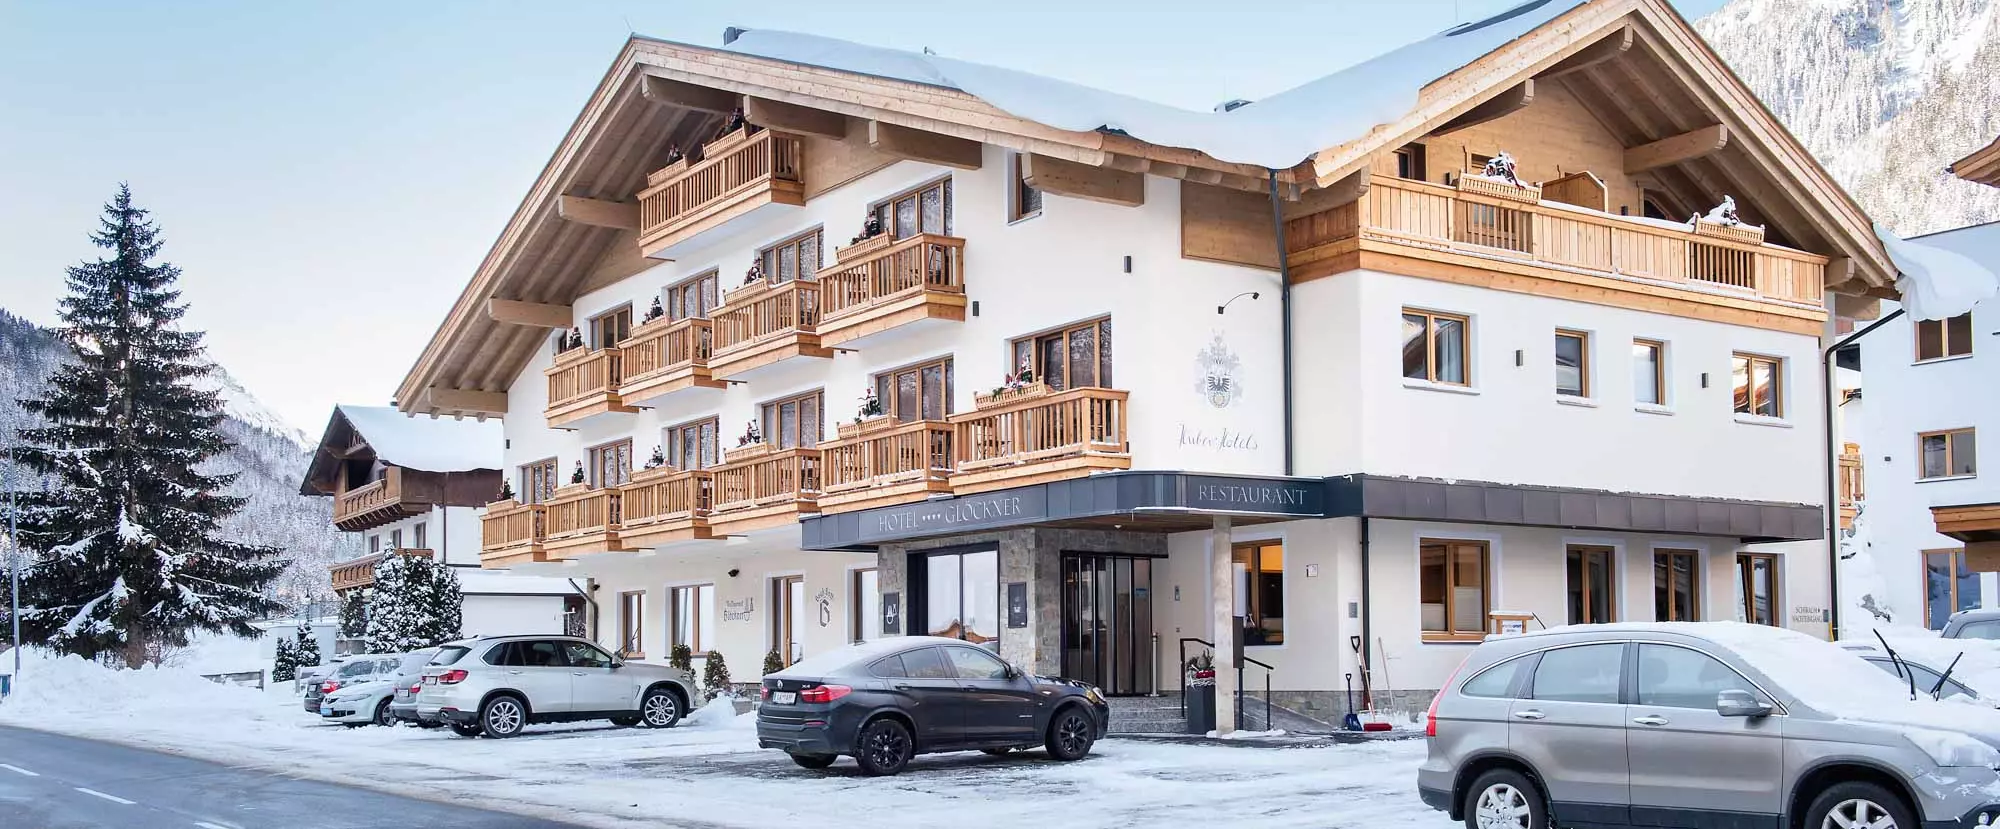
pixel 48 781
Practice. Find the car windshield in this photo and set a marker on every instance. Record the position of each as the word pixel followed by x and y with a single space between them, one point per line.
pixel 450 654
pixel 1925 677
pixel 360 668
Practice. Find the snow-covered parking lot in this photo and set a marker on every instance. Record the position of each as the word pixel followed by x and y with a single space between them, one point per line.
pixel 710 773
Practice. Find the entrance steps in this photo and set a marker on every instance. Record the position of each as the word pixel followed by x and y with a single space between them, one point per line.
pixel 1148 715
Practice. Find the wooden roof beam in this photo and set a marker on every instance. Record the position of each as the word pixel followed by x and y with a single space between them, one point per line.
pixel 530 314
pixel 1068 178
pixel 1981 165
pixel 1676 149
pixel 1512 100
pixel 598 212
pixel 928 147
pixel 1612 46
pixel 464 401
pixel 667 92
pixel 784 117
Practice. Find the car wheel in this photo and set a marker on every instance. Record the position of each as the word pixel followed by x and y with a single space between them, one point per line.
pixel 813 761
pixel 884 748
pixel 660 708
pixel 1505 799
pixel 465 729
pixel 1859 804
pixel 997 752
pixel 382 716
pixel 503 717
pixel 1071 735
pixel 625 721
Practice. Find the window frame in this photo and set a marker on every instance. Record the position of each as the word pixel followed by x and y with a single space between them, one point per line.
pixel 1659 348
pixel 1431 375
pixel 1413 157
pixel 1746 591
pixel 886 389
pixel 614 316
pixel 420 535
pixel 857 621
pixel 1451 633
pixel 1749 405
pixel 1954 560
pixel 1254 615
pixel 631 625
pixel 885 210
pixel 1585 553
pixel 1950 454
pixel 770 415
pixel 675 292
pixel 529 476
pixel 670 437
pixel 1945 340
pixel 782 616
pixel 769 257
pixel 1099 326
pixel 697 638
pixel 1018 190
pixel 593 465
pixel 1694 557
pixel 1583 390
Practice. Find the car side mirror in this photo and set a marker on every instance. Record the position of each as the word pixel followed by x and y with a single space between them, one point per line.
pixel 617 663
pixel 1741 704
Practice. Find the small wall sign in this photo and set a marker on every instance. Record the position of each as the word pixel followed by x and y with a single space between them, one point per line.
pixel 738 610
pixel 1017 604
pixel 824 598
pixel 892 613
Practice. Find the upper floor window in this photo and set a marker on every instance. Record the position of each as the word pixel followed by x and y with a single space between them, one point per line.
pixel 1410 162
pixel 1434 347
pixel 926 209
pixel 1946 454
pixel 794 258
pixel 1072 358
pixel 919 392
pixel 608 328
pixel 538 481
pixel 1757 382
pixel 1938 339
pixel 1649 372
pixel 1022 201
pixel 692 298
pixel 611 464
pixel 1572 363
pixel 693 445
pixel 794 421
pixel 419 536
pixel 375 543
pixel 396 539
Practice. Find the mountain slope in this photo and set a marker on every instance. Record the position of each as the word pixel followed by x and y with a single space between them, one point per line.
pixel 1885 93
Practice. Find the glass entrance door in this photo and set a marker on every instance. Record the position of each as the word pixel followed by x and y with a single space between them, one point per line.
pixel 1107 622
pixel 962 596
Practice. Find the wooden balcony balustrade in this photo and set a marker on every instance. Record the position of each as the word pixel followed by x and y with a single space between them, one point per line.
pixel 738 174
pixel 582 519
pixel 584 384
pixel 665 356
pixel 1562 237
pixel 665 504
pixel 512 533
pixel 893 463
pixel 1852 489
pixel 372 504
pixel 1025 440
pixel 921 277
pixel 360 572
pixel 760 324
pixel 757 487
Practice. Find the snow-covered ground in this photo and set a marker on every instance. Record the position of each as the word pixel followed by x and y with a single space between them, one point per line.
pixel 710 773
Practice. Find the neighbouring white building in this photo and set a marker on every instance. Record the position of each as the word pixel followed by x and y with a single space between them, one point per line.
pixel 1421 404
pixel 406 486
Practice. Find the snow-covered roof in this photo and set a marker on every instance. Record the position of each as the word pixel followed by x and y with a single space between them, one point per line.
pixel 1945 274
pixel 427 444
pixel 1277 132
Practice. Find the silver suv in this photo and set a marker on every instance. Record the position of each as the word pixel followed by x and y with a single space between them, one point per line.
pixel 498 685
pixel 1706 724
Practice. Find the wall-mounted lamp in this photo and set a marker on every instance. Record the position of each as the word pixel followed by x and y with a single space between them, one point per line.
pixel 1704 379
pixel 1520 358
pixel 1225 306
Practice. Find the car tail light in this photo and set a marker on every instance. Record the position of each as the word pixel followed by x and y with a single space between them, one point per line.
pixel 329 687
pixel 824 693
pixel 1431 713
pixel 764 693
pixel 417 688
pixel 452 677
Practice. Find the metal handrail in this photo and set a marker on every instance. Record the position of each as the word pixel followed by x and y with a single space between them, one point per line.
pixel 1268 668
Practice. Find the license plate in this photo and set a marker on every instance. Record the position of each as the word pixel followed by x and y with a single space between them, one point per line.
pixel 784 697
pixel 430 680
pixel 326 710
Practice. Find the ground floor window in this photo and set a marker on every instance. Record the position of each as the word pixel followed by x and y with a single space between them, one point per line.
pixel 788 623
pixel 1592 585
pixel 1259 569
pixel 632 624
pixel 865 624
pixel 962 595
pixel 692 622
pixel 1949 586
pixel 1676 585
pixel 1453 580
pixel 1757 588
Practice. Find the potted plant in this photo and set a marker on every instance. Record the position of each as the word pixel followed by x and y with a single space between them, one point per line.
pixel 1201 670
pixel 715 676
pixel 1019 385
pixel 658 459
pixel 750 444
pixel 871 238
pixel 681 657
pixel 866 416
pixel 1198 688
pixel 506 498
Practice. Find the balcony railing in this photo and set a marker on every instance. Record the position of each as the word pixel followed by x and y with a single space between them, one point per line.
pixel 919 277
pixel 1043 437
pixel 1852 489
pixel 758 487
pixel 886 462
pixel 665 356
pixel 360 572
pixel 582 520
pixel 584 384
pixel 737 174
pixel 665 504
pixel 372 504
pixel 512 533
pixel 1707 257
pixel 763 323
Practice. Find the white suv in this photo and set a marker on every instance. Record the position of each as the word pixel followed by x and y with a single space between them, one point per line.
pixel 498 685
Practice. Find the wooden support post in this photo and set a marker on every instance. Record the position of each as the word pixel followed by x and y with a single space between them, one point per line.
pixel 1507 102
pixel 1675 149
pixel 784 117
pixel 1082 181
pixel 918 145
pixel 598 212
pixel 530 314
pixel 667 92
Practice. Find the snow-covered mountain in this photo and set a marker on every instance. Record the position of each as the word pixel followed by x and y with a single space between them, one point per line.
pixel 1886 93
pixel 269 457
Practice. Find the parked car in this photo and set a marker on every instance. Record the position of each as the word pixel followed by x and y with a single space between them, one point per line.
pixel 310 675
pixel 357 669
pixel 373 701
pixel 1697 725
pixel 499 685
pixel 1980 623
pixel 885 701
pixel 1913 672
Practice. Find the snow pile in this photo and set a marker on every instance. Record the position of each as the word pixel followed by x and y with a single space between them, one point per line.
pixel 1245 735
pixel 1864 593
pixel 52 688
pixel 720 713
pixel 425 443
pixel 1936 283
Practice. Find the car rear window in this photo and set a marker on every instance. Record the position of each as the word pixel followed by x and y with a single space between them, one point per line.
pixel 1983 629
pixel 413 661
pixel 450 654
pixel 1497 681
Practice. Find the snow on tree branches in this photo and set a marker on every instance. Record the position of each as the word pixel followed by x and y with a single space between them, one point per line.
pixel 305 646
pixel 416 603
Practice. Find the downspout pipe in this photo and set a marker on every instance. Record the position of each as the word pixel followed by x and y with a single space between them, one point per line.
pixel 1833 474
pixel 1284 310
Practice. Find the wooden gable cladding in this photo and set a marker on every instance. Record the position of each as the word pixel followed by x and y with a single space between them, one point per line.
pixel 1982 165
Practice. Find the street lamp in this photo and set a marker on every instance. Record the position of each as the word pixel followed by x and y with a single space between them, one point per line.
pixel 13 569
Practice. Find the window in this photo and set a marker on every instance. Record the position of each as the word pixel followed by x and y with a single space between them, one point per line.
pixel 1452 588
pixel 538 481
pixel 1475 163
pixel 1572 363
pixel 608 329
pixel 888 667
pixel 968 663
pixel 794 258
pixel 1676 586
pixel 1434 347
pixel 1985 629
pixel 692 298
pixel 961 595
pixel 1649 372
pixel 1650 206
pixel 866 607
pixel 1073 358
pixel 919 392
pixel 631 624
pixel 611 464
pixel 1949 587
pixel 418 535
pixel 1410 162
pixel 693 616
pixel 1756 382
pixel 375 543
pixel 1592 585
pixel 1024 201
pixel 794 421
pixel 582 655
pixel 926 209
pixel 396 539
pixel 1675 677
pixel 1757 586
pixel 1926 678
pixel 1260 580
pixel 788 624
pixel 1947 454
pixel 1497 681
pixel 1938 339
pixel 694 445
pixel 926 663
pixel 1586 673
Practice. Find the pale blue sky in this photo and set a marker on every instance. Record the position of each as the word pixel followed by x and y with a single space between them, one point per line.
pixel 329 175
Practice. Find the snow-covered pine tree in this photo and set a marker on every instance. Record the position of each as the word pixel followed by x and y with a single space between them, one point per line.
pixel 444 603
pixel 285 664
pixel 354 614
pixel 715 675
pixel 773 663
pixel 129 561
pixel 305 647
pixel 682 657
pixel 416 603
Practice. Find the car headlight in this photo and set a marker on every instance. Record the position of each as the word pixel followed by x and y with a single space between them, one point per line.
pixel 1094 694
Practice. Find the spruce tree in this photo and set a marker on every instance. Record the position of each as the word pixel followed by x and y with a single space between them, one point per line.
pixel 416 603
pixel 285 665
pixel 354 614
pixel 445 603
pixel 715 676
pixel 305 646
pixel 129 561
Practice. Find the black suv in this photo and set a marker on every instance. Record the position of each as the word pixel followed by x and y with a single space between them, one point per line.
pixel 886 701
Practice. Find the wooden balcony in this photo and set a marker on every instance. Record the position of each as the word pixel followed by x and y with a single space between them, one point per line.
pixel 665 504
pixel 582 520
pixel 762 323
pixel 380 502
pixel 738 174
pixel 1039 436
pixel 1508 237
pixel 758 487
pixel 359 573
pixel 512 533
pixel 1852 491
pixel 665 356
pixel 880 462
pixel 887 285
pixel 584 384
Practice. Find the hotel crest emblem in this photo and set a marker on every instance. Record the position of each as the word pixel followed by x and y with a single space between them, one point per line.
pixel 1216 369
